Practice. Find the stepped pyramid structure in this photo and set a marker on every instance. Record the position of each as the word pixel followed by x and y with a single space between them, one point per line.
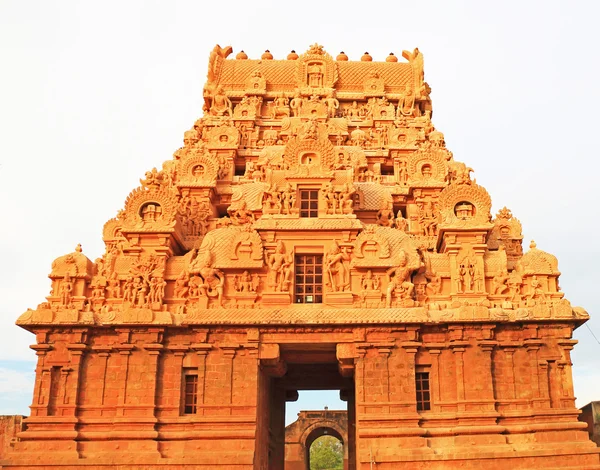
pixel 314 232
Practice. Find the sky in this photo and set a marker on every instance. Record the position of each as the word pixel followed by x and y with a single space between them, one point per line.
pixel 93 94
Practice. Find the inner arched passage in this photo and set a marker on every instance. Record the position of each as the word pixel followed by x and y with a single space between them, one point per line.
pixel 317 435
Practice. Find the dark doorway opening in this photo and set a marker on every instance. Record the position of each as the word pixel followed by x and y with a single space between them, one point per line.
pixel 311 366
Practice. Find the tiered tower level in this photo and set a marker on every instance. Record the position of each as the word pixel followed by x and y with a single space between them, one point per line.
pixel 313 232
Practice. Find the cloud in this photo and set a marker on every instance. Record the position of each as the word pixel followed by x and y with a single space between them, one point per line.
pixel 16 389
pixel 586 381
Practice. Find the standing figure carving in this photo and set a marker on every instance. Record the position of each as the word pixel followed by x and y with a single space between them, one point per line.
pixel 337 268
pixel 66 290
pixel 399 281
pixel 211 279
pixel 280 269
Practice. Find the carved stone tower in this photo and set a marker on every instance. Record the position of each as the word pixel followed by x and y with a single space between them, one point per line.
pixel 314 232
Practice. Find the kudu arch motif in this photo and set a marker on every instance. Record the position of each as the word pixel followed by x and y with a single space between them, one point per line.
pixel 313 216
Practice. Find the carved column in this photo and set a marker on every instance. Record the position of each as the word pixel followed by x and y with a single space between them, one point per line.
pixel 103 353
pixel 202 350
pixel 487 348
pixel 533 346
pixel 565 365
pixel 154 351
pixel 411 348
pixel 458 348
pixel 229 351
pixel 544 376
pixel 511 388
pixel 435 379
pixel 124 349
pixel 39 406
pixel 71 383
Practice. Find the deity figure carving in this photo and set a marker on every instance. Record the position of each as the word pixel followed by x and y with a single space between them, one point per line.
pixel 399 283
pixel 428 217
pixel 434 283
pixel 369 287
pixel 296 104
pixel 310 129
pixel 499 286
pixel 113 290
pixel 315 75
pixel 337 268
pixel 536 290
pixel 272 200
pixel 330 197
pixel 221 104
pixel 245 283
pixel 65 290
pixel 280 106
pixel 406 103
pixel 354 113
pixel 465 276
pixel 211 280
pixel 345 200
pixel 514 282
pixel 98 284
pixel 128 290
pixel 385 215
pixel 157 290
pixel 280 269
pixel 332 105
pixel 401 223
pixel 241 215
pixel 402 172
pixel 288 199
pixel 181 285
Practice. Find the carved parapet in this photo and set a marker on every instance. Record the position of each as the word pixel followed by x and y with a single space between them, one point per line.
pixel 233 247
pixel 427 168
pixel 465 206
pixel 223 137
pixel 149 211
pixel 316 72
pixel 319 153
pixel 379 246
pixel 198 168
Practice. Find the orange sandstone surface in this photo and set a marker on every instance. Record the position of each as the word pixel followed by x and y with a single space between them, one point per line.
pixel 314 232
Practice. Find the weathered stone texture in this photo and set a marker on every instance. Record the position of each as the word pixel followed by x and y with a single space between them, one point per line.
pixel 314 232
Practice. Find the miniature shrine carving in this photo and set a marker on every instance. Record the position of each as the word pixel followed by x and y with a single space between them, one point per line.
pixel 313 231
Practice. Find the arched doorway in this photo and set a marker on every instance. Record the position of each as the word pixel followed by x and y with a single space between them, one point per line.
pixel 319 434
pixel 311 426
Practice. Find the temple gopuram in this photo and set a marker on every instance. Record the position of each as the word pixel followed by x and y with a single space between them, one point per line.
pixel 313 233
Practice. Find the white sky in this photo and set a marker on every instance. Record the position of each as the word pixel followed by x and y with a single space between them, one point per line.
pixel 93 94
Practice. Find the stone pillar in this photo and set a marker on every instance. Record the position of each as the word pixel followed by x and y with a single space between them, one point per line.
pixel 229 351
pixel 104 354
pixel 568 397
pixel 202 350
pixel 435 378
pixel 39 406
pixel 459 348
pixel 487 347
pixel 533 346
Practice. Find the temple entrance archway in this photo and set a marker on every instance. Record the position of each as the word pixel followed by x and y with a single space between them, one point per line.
pixel 301 367
pixel 310 426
